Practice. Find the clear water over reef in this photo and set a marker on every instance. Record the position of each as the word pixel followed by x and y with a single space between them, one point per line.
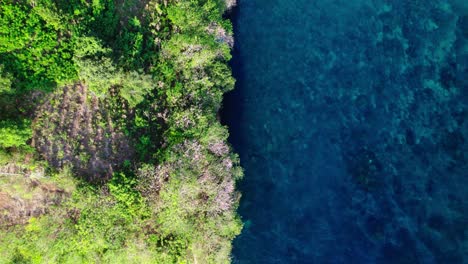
pixel 350 118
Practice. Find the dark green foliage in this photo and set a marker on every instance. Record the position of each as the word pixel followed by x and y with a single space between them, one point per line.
pixel 97 18
pixel 5 81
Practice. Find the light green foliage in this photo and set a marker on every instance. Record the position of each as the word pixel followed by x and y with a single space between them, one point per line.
pixel 195 63
pixel 193 15
pixel 101 75
pixel 48 13
pixel 135 86
pixel 14 36
pixel 122 187
pixel 88 47
pixel 14 134
pixel 90 227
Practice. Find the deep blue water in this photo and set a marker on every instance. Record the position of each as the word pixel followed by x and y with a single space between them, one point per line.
pixel 350 118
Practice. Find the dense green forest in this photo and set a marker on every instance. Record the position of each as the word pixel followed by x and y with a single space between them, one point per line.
pixel 110 146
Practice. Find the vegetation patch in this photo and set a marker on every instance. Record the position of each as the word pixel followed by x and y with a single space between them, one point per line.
pixel 109 138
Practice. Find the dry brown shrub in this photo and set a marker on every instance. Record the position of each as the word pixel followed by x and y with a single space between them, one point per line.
pixel 74 128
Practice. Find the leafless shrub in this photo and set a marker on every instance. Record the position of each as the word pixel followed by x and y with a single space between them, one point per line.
pixel 219 148
pixel 230 4
pixel 221 34
pixel 224 199
pixel 151 179
pixel 69 130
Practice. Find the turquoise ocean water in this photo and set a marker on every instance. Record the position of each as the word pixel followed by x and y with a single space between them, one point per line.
pixel 350 118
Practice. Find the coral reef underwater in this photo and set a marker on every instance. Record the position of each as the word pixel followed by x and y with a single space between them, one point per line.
pixel 350 118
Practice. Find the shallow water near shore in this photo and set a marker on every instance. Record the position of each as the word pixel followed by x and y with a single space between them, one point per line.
pixel 350 118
